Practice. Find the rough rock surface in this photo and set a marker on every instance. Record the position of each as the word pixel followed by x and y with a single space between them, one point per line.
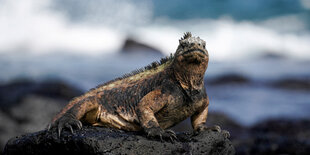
pixel 96 140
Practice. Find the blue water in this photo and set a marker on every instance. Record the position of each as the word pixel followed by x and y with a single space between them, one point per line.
pixel 249 104
pixel 78 10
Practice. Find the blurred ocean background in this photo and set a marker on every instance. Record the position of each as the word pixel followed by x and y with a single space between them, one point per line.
pixel 259 50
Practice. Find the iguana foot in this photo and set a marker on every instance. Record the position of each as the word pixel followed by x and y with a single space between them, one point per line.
pixel 226 133
pixel 212 128
pixel 167 135
pixel 66 121
pixel 215 128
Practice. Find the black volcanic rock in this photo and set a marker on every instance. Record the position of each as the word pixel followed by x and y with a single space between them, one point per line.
pixel 97 140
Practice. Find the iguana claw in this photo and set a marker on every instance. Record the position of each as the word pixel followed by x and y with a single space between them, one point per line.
pixel 212 128
pixel 226 133
pixel 66 121
pixel 163 135
pixel 215 128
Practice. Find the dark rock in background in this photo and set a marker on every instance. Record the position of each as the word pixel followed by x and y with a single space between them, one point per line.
pixel 8 129
pixel 272 55
pixel 13 92
pixel 276 137
pixel 27 106
pixel 33 113
pixel 290 127
pixel 232 78
pixel 132 46
pixel 96 140
pixel 57 89
pixel 226 123
pixel 293 84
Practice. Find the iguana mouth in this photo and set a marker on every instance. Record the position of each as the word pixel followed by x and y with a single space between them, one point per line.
pixel 195 50
pixel 194 56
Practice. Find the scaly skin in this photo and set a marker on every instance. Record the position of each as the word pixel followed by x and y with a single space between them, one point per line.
pixel 150 99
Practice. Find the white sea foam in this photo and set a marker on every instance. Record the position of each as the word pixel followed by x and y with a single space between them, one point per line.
pixel 33 26
pixel 30 25
pixel 230 40
pixel 305 4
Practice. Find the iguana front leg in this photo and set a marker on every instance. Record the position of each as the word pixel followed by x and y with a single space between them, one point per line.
pixel 147 107
pixel 199 120
pixel 86 109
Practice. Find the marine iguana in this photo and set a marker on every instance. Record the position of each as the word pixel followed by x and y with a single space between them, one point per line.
pixel 151 99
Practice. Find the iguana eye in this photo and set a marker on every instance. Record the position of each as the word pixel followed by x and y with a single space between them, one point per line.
pixel 183 44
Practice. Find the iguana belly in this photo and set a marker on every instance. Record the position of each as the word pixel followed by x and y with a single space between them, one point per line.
pixel 102 117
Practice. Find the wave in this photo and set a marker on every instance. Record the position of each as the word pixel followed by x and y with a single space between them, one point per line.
pixel 36 27
pixel 32 26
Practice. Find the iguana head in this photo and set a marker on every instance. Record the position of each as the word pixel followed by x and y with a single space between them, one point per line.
pixel 190 62
pixel 191 51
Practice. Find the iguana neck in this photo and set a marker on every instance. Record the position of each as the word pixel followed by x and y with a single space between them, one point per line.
pixel 190 78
